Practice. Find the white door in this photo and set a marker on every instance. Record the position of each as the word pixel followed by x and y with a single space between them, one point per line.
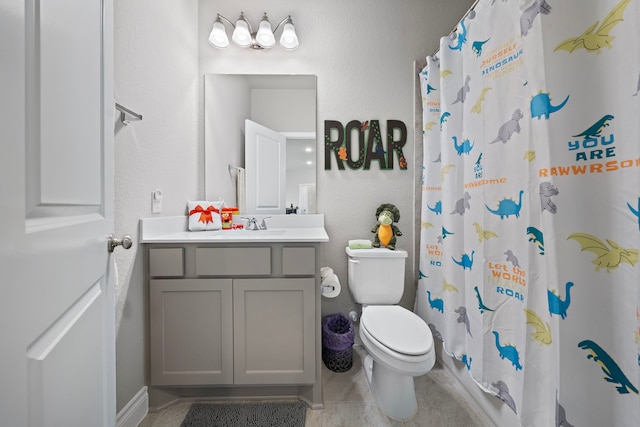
pixel 265 163
pixel 57 337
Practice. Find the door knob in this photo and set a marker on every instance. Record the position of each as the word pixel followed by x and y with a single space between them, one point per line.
pixel 112 242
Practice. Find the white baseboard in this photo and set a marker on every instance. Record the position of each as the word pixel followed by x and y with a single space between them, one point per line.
pixel 134 412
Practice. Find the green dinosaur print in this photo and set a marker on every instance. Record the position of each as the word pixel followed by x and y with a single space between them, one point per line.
pixel 476 46
pixel 595 129
pixel 612 372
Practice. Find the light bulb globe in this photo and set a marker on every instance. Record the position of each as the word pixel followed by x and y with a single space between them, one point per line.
pixel 241 35
pixel 264 36
pixel 218 36
pixel 289 39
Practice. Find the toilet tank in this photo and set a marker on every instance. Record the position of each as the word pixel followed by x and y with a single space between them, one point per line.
pixel 376 276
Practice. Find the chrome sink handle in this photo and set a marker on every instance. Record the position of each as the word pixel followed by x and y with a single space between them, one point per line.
pixel 252 223
pixel 263 224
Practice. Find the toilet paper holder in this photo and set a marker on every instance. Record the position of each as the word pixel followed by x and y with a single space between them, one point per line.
pixel 327 287
pixel 329 283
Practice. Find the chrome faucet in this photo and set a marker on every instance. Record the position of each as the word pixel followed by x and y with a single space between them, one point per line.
pixel 252 223
pixel 263 224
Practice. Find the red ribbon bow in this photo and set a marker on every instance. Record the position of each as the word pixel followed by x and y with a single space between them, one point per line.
pixel 205 214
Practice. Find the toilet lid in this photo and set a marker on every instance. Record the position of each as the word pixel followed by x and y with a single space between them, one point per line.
pixel 398 329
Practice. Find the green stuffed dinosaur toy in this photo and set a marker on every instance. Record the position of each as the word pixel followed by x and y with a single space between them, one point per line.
pixel 384 229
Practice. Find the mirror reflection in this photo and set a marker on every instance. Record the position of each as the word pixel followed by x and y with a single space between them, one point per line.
pixel 279 178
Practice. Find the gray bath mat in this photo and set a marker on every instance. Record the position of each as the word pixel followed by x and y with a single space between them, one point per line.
pixel 277 414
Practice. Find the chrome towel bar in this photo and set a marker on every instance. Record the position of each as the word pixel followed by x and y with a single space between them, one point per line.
pixel 126 115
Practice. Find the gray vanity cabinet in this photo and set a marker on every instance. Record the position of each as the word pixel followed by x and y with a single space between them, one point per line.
pixel 245 315
pixel 274 328
pixel 191 331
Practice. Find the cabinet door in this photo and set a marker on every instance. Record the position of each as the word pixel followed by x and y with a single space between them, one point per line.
pixel 274 325
pixel 191 331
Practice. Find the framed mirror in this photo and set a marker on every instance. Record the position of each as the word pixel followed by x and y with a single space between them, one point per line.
pixel 285 104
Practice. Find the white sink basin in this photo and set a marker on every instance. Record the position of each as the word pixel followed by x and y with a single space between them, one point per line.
pixel 243 234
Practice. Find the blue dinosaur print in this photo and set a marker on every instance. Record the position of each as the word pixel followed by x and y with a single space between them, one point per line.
pixel 541 106
pixel 612 372
pixel 465 262
pixel 595 129
pixel 507 207
pixel 436 304
pixel 476 47
pixel 556 305
pixel 430 88
pixel 421 275
pixel 481 305
pixel 536 237
pixel 467 361
pixel 464 359
pixel 443 118
pixel 508 352
pixel 462 37
pixel 636 212
pixel 464 148
pixel 437 209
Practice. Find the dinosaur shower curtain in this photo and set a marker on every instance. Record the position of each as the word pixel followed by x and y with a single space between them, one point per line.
pixel 530 224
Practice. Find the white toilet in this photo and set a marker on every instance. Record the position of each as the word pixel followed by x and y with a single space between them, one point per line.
pixel 398 342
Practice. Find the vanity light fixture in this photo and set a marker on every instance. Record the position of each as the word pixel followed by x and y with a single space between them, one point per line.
pixel 244 36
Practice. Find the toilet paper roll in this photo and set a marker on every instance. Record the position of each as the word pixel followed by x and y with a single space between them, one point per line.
pixel 331 286
pixel 325 272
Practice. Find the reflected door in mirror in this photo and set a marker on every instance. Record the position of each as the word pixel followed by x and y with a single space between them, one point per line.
pixel 265 162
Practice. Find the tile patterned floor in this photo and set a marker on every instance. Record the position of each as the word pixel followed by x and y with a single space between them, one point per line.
pixel 348 403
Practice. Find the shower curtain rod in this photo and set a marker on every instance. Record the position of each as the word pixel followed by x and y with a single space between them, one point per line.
pixel 453 30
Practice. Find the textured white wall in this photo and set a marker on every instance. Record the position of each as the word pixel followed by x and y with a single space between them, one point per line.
pixel 156 75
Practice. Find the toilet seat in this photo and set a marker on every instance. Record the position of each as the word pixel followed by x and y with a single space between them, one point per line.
pixel 397 329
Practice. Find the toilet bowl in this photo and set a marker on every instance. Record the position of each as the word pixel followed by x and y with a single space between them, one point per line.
pixel 398 342
pixel 399 347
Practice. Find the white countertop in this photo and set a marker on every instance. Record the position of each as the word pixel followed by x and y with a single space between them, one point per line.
pixel 280 228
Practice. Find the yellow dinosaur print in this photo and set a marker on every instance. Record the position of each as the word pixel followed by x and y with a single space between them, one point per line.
pixel 592 40
pixel 477 107
pixel 445 73
pixel 530 155
pixel 448 286
pixel 445 170
pixel 428 126
pixel 542 332
pixel 426 225
pixel 607 257
pixel 483 234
